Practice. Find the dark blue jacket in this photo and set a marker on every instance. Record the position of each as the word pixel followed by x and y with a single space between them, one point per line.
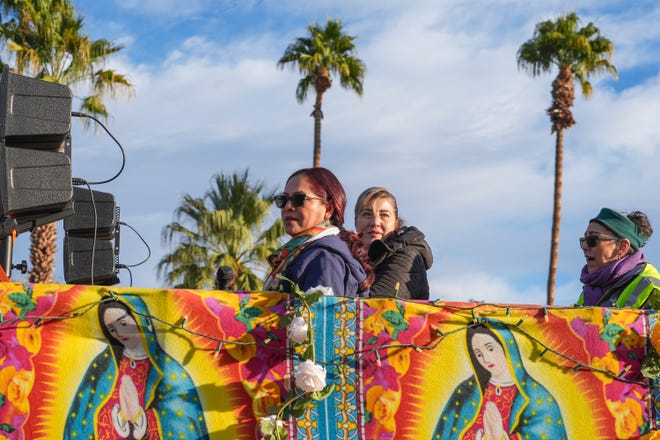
pixel 327 262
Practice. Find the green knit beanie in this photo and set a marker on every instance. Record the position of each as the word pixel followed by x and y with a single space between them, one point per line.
pixel 622 226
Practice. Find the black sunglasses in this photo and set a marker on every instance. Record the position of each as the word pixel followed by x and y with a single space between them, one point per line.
pixel 297 199
pixel 592 240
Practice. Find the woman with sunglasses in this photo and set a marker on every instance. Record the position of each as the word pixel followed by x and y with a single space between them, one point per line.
pixel 616 273
pixel 321 252
pixel 399 254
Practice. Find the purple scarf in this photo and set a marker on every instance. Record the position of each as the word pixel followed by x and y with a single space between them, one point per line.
pixel 596 283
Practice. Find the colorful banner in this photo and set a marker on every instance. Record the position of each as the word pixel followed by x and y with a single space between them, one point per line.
pixel 92 362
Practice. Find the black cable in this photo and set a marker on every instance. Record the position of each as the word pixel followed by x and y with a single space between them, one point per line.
pixel 91 196
pixel 143 241
pixel 121 149
pixel 130 274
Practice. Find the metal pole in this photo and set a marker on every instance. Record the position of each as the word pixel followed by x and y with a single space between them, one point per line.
pixel 6 244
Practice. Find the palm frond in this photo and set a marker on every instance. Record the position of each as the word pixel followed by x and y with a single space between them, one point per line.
pixel 220 229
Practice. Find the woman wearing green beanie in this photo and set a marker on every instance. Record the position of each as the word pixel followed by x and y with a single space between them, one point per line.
pixel 616 273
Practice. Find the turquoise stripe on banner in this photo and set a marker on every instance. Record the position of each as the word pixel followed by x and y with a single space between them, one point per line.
pixel 334 336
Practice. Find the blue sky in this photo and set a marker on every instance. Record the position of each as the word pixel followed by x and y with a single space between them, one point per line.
pixel 447 123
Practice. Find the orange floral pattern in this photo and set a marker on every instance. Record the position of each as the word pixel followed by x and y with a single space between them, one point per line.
pixel 20 340
pixel 387 324
pixel 16 386
pixel 618 346
pixel 628 417
pixel 382 404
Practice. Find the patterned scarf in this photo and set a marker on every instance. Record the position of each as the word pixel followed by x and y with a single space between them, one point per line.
pixel 597 283
pixel 283 256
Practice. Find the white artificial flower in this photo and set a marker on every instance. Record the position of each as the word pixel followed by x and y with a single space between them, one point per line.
pixel 327 291
pixel 297 331
pixel 309 376
pixel 267 425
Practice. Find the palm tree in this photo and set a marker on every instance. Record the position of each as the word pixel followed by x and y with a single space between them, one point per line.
pixel 220 229
pixel 319 54
pixel 47 41
pixel 577 53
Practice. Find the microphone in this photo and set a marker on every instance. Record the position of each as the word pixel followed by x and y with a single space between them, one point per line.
pixel 224 278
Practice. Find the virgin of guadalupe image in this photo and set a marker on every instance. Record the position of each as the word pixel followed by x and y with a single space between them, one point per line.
pixel 133 389
pixel 500 400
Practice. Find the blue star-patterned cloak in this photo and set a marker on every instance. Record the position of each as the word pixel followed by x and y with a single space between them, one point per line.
pixel 170 392
pixel 534 413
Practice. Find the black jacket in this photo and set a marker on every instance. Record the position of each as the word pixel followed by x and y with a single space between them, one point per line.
pixel 404 257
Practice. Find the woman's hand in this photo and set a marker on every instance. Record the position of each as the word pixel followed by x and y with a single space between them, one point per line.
pixel 493 423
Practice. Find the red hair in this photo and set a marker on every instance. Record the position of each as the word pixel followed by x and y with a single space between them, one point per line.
pixel 326 184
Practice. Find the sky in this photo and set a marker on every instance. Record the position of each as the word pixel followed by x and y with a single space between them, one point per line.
pixel 447 122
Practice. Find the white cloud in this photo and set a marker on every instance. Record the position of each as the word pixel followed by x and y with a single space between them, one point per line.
pixel 481 287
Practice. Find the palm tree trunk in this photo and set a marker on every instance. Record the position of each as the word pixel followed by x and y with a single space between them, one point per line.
pixel 556 216
pixel 322 83
pixel 563 95
pixel 318 115
pixel 42 253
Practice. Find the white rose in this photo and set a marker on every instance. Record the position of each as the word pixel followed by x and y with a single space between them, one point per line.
pixel 327 291
pixel 309 376
pixel 297 329
pixel 267 425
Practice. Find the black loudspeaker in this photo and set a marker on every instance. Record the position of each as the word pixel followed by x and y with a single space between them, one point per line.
pixel 78 262
pixel 35 155
pixel 92 211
